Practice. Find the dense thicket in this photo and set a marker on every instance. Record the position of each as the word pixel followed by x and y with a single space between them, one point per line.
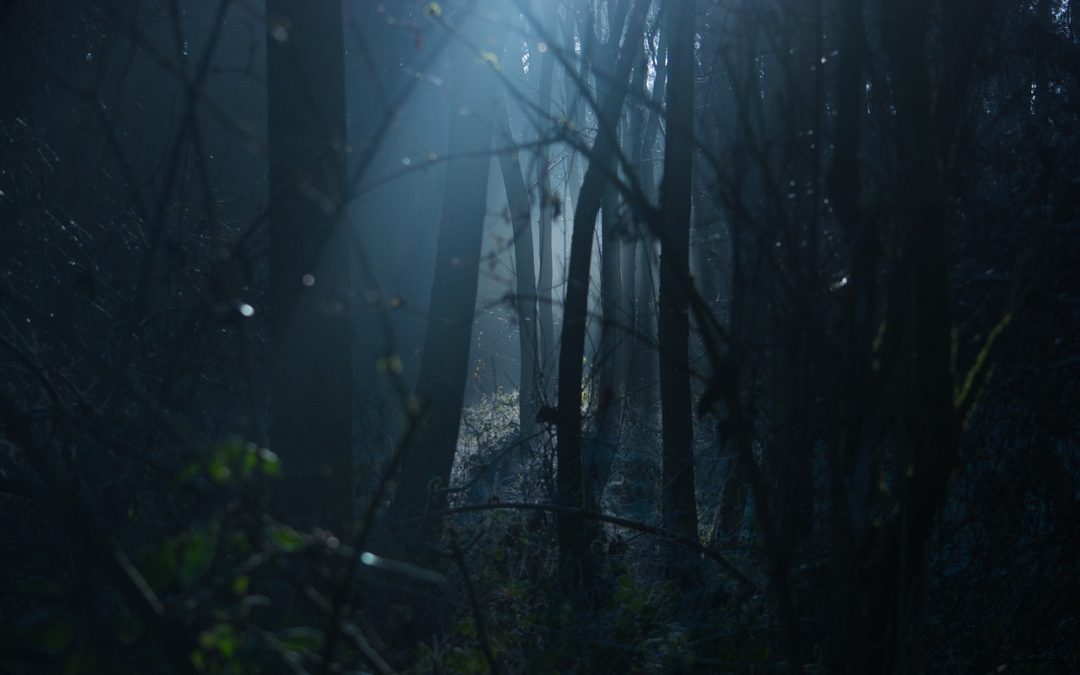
pixel 539 336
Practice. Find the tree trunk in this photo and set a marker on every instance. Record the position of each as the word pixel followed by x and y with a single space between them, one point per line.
pixel 647 364
pixel 600 452
pixel 547 215
pixel 310 409
pixel 845 193
pixel 574 106
pixel 679 491
pixel 931 434
pixel 517 197
pixel 444 365
pixel 573 568
pixel 628 250
pixel 608 357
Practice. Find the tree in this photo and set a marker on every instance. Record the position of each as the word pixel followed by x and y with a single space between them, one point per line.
pixel 311 391
pixel 444 367
pixel 517 197
pixel 646 370
pixel 570 488
pixel 608 361
pixel 679 488
pixel 546 215
pixel 879 337
pixel 922 302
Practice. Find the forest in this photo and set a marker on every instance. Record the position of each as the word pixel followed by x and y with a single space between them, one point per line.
pixel 539 336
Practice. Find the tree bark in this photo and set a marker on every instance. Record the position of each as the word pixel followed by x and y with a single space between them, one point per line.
pixel 679 491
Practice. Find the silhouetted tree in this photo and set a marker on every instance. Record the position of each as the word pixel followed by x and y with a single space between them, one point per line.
pixel 679 489
pixel 440 386
pixel 517 197
pixel 573 566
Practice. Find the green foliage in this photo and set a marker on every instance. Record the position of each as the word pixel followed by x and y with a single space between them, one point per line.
pixel 234 461
pixel 212 579
pixel 217 649
pixel 286 538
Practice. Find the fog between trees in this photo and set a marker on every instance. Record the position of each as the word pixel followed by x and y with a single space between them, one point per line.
pixel 539 336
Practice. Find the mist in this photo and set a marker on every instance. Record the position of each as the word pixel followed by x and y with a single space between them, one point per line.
pixel 497 336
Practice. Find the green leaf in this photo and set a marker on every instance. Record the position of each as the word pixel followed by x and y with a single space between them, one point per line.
pixel 287 539
pixel 466 628
pixel 269 464
pixel 221 638
pixel 241 584
pixel 250 460
pixel 219 469
pixel 195 554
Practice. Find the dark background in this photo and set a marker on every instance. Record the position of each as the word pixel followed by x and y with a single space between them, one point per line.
pixel 814 409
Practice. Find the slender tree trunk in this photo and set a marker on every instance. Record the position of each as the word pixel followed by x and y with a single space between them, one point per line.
pixel 647 376
pixel 310 409
pixel 845 194
pixel 517 197
pixel 445 363
pixel 573 566
pixel 792 308
pixel 628 350
pixel 574 105
pixel 745 293
pixel 932 430
pixel 679 491
pixel 632 349
pixel 647 363
pixel 610 379
pixel 608 359
pixel 547 215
